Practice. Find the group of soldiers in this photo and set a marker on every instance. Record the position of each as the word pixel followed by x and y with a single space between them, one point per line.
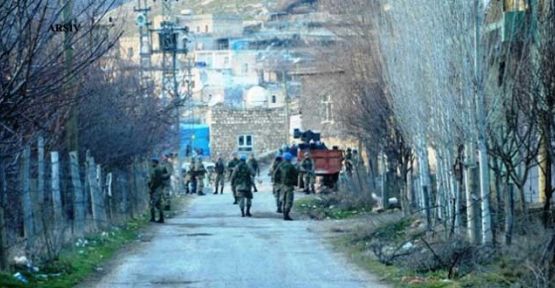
pixel 284 175
pixel 241 173
pixel 194 177
pixel 241 182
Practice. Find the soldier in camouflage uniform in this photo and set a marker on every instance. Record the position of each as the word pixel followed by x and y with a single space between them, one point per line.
pixel 288 176
pixel 275 176
pixel 167 186
pixel 242 177
pixel 253 165
pixel 307 168
pixel 157 176
pixel 200 173
pixel 348 162
pixel 219 168
pixel 230 167
pixel 190 178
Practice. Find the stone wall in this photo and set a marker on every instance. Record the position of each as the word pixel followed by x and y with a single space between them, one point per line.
pixel 267 127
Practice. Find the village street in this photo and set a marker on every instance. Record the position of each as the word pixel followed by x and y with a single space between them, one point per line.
pixel 210 245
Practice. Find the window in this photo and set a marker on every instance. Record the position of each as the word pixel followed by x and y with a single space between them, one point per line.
pixel 515 5
pixel 130 52
pixel 245 68
pixel 206 29
pixel 273 99
pixel 223 44
pixel 328 109
pixel 244 143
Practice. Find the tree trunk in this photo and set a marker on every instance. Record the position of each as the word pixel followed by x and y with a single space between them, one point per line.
pixel 425 178
pixel 469 177
pixel 509 214
pixel 404 191
pixel 485 195
pixel 498 194
pixel 545 185
pixel 372 166
pixel 3 192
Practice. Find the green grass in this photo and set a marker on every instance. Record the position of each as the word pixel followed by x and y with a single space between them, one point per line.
pixel 77 262
pixel 320 208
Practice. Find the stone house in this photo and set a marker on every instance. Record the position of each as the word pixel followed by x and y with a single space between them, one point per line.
pixel 258 130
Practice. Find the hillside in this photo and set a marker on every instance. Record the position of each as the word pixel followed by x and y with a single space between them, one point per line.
pixel 249 9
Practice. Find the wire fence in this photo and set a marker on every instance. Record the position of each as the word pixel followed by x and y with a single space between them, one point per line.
pixel 49 199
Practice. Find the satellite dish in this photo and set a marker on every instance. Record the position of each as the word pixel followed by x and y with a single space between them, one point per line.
pixel 140 20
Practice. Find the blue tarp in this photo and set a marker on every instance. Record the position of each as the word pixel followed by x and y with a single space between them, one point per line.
pixel 201 141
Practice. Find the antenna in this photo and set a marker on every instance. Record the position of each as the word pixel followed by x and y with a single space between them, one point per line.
pixel 145 45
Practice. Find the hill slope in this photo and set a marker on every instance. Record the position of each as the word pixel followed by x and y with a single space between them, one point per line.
pixel 248 9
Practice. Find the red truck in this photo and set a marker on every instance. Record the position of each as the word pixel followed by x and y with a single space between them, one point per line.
pixel 328 162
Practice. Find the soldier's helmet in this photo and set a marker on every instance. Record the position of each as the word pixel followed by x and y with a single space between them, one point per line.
pixel 348 149
pixel 243 158
pixel 287 156
pixel 154 160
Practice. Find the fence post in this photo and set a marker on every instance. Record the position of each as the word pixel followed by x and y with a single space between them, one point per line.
pixel 123 186
pixel 138 191
pixel 109 195
pixel 41 167
pixel 26 196
pixel 87 191
pixel 78 201
pixel 3 191
pixel 131 186
pixel 37 196
pixel 93 189
pixel 56 191
pixel 100 195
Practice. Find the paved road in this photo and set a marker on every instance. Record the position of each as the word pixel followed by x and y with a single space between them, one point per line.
pixel 210 245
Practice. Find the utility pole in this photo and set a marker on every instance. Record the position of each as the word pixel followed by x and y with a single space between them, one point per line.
pixel 72 126
pixel 188 77
pixel 286 98
pixel 145 44
pixel 170 48
pixel 481 117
